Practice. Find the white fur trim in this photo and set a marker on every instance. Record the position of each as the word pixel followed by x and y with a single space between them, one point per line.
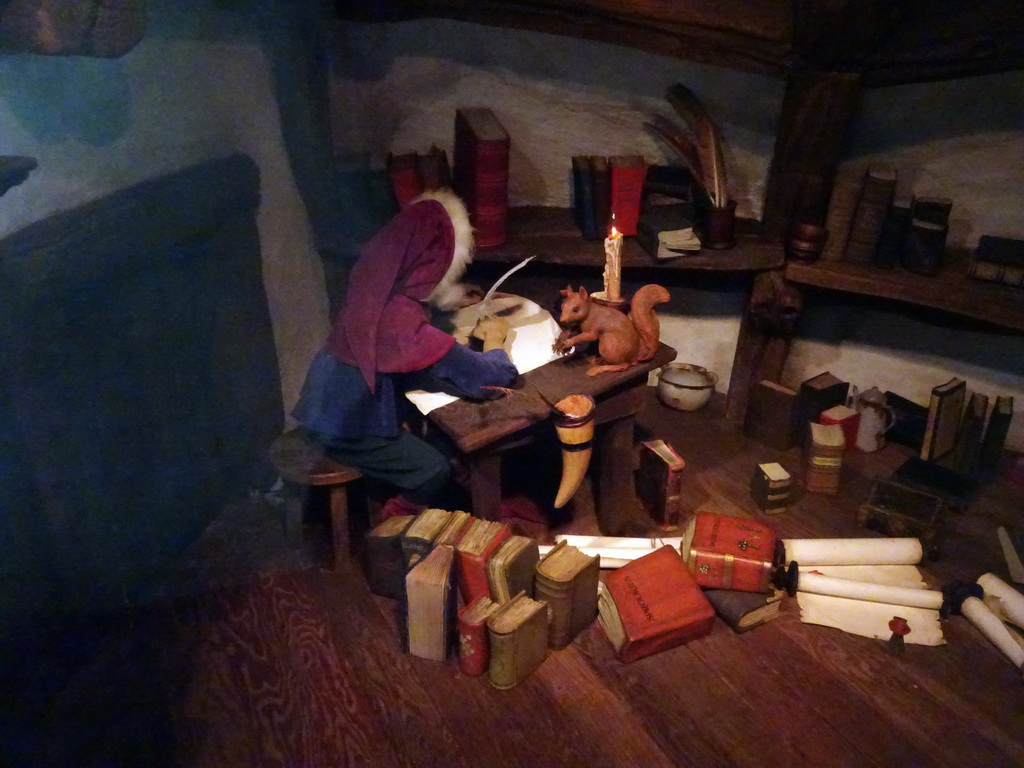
pixel 449 292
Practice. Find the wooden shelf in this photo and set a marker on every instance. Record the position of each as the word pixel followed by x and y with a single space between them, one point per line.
pixel 951 290
pixel 551 234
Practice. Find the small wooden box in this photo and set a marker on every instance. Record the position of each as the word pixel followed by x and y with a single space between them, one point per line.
pixel 897 509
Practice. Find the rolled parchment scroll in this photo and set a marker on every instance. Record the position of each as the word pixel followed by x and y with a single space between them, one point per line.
pixel 1002 599
pixel 875 593
pixel 992 627
pixel 877 551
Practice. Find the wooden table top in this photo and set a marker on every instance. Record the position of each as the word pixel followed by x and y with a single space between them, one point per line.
pixel 473 425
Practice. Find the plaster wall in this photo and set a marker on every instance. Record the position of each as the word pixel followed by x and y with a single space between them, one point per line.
pixel 396 87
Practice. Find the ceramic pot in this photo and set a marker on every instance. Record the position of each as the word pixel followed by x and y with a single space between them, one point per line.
pixel 685 387
pixel 806 242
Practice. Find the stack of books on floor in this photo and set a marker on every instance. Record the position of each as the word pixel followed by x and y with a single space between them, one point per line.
pixel 824 464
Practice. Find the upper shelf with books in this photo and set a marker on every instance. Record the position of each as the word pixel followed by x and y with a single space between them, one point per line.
pixel 951 290
pixel 552 235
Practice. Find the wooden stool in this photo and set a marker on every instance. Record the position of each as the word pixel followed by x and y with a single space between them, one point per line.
pixel 301 462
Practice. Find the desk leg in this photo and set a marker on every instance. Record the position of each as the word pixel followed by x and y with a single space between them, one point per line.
pixel 615 499
pixel 485 485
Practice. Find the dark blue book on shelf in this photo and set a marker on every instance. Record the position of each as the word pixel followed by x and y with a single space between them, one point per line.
pixel 583 197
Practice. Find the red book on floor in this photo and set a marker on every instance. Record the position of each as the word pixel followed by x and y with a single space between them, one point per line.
pixel 480 172
pixel 728 552
pixel 404 173
pixel 627 183
pixel 474 548
pixel 652 604
pixel 660 482
pixel 845 417
pixel 474 644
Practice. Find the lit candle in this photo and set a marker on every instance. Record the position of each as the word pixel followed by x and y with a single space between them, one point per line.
pixel 613 266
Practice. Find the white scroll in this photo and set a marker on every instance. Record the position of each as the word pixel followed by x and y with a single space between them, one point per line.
pixel 993 628
pixel 867 551
pixel 1002 599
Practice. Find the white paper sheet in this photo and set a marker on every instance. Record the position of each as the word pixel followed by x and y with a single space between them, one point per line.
pixel 529 342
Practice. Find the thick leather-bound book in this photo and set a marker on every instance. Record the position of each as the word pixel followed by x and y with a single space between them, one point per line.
pixel 383 561
pixel 895 231
pixel 512 567
pixel 473 549
pixel 600 172
pixel 430 604
pixel 583 198
pixel 944 412
pixel 743 611
pixel 817 394
pixel 435 172
pixel 404 172
pixel 418 539
pixel 480 172
pixel 823 463
pixel 518 633
pixel 627 185
pixel 666 231
pixel 458 522
pixel 474 644
pixel 567 581
pixel 841 207
pixel 998 260
pixel 771 415
pixel 876 195
pixel 726 552
pixel 910 422
pixel 659 482
pixel 926 247
pixel 652 604
pixel 992 272
pixel 770 487
pixel 967 458
pixel 995 437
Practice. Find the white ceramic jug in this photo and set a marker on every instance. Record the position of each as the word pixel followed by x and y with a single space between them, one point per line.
pixel 876 418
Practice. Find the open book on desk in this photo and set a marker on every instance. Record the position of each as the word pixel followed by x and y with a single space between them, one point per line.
pixel 529 342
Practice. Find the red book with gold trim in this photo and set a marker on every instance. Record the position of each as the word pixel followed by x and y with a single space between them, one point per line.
pixel 480 172
pixel 727 552
pixel 474 548
pixel 474 645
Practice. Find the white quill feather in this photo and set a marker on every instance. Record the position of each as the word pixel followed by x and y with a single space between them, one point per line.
pixel 482 306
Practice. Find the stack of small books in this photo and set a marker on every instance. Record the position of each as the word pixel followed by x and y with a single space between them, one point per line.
pixel 824 463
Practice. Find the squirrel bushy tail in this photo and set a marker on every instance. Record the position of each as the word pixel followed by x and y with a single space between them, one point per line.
pixel 641 312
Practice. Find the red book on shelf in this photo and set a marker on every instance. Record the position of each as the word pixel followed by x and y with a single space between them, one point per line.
pixel 652 604
pixel 474 644
pixel 404 173
pixel 627 184
pixel 480 172
pixel 474 548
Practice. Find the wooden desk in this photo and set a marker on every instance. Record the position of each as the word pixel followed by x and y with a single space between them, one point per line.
pixel 482 431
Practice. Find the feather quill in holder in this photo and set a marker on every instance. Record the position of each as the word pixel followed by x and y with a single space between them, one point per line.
pixel 708 145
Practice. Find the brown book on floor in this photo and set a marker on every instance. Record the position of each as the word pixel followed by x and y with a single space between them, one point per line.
pixel 876 196
pixel 383 561
pixel 418 539
pixel 817 394
pixel 474 548
pixel 659 482
pixel 743 611
pixel 652 604
pixel 567 581
pixel 771 415
pixel 823 465
pixel 945 409
pixel 430 604
pixel 474 644
pixel 518 634
pixel 512 567
pixel 480 172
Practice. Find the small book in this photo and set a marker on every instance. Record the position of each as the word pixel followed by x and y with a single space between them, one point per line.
pixel 474 645
pixel 824 460
pixel 583 198
pixel 430 604
pixel 925 248
pixel 967 457
pixel 473 549
pixel 817 394
pixel 600 172
pixel 435 172
pixel 627 184
pixel 841 207
pixel 480 172
pixel 418 539
pixel 567 581
pixel 909 422
pixel 845 417
pixel 743 611
pixel 933 210
pixel 670 182
pixel 659 482
pixel 771 415
pixel 770 487
pixel 895 231
pixel 512 567
pixel 876 195
pixel 518 634
pixel 404 172
pixel 944 412
pixel 666 231
pixel 992 272
pixel 652 604
pixel 995 437
pixel 383 561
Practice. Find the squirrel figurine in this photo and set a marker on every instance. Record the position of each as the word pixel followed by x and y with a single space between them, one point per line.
pixel 622 340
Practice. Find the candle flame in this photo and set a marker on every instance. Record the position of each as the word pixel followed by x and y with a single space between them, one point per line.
pixel 614 232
